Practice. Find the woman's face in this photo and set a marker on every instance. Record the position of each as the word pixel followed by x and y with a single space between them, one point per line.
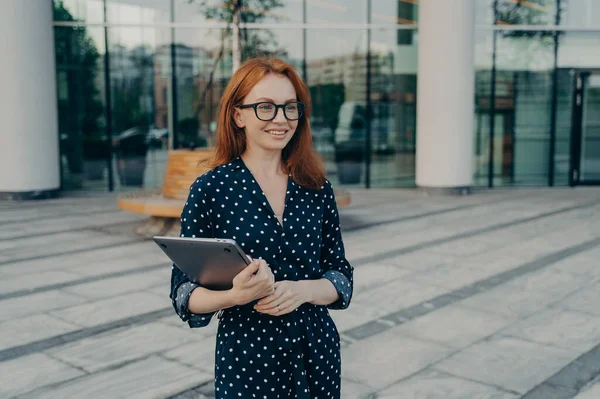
pixel 268 135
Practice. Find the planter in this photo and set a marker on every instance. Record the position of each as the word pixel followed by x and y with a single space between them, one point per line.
pixel 349 159
pixel 94 169
pixel 131 171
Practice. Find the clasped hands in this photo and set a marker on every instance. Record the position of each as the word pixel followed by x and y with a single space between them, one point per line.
pixel 257 281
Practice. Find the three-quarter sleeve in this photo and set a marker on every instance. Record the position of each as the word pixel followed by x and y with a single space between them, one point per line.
pixel 195 222
pixel 336 267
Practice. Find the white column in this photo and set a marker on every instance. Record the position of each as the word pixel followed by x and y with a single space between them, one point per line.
pixel 445 90
pixel 29 155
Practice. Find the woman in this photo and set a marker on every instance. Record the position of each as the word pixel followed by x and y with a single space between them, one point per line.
pixel 267 190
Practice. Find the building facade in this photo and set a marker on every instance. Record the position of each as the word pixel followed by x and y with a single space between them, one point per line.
pixel 428 93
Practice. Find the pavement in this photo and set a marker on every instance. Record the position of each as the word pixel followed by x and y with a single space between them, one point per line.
pixel 493 295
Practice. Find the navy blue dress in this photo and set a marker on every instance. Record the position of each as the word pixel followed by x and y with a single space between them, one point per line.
pixel 296 355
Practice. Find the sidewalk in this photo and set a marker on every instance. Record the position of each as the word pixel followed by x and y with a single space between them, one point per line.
pixel 493 296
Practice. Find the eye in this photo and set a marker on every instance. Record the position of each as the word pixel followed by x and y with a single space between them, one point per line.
pixel 291 107
pixel 265 107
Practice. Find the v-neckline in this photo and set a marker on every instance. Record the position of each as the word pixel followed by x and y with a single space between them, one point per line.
pixel 263 197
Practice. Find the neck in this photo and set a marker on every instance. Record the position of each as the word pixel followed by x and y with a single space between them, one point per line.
pixel 265 163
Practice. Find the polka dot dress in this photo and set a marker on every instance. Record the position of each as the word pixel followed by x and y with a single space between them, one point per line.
pixel 296 355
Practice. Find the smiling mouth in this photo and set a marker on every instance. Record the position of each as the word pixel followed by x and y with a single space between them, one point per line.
pixel 276 132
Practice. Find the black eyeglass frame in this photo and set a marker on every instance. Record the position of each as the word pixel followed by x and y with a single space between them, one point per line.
pixel 301 108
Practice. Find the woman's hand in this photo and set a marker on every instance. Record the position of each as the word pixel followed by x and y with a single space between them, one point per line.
pixel 254 282
pixel 286 298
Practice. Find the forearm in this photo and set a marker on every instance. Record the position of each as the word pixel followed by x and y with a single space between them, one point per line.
pixel 203 300
pixel 319 292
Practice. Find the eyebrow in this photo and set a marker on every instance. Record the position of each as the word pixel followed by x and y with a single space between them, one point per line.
pixel 271 100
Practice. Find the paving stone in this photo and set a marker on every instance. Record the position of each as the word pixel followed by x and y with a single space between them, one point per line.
pixel 585 300
pixel 354 390
pixel 197 354
pixel 368 329
pixel 566 329
pixel 116 347
pixel 29 329
pixel 547 391
pixel 430 384
pixel 153 377
pixel 98 260
pixel 396 295
pixel 18 283
pixel 373 275
pixel 111 309
pixel 549 281
pixel 509 302
pixel 356 315
pixel 454 326
pixel 33 304
pixel 30 372
pixel 123 284
pixel 380 360
pixel 449 276
pixel 507 362
pixel 592 392
pixel 419 260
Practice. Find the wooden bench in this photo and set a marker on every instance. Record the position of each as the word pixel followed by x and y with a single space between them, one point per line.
pixel 164 205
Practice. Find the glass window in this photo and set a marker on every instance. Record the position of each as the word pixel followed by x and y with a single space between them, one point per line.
pixel 137 11
pixel 393 104
pixel 483 84
pixel 91 11
pixel 138 74
pixel 575 52
pixel 203 68
pixel 580 13
pixel 392 12
pixel 526 12
pixel 484 12
pixel 84 145
pixel 523 103
pixel 336 11
pixel 253 11
pixel 336 77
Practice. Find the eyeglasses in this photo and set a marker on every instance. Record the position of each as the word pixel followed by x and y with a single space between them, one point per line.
pixel 267 111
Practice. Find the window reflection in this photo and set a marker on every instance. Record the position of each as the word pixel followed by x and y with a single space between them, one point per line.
pixel 526 12
pixel 91 11
pixel 393 101
pixel 336 11
pixel 137 77
pixel 137 11
pixel 392 12
pixel 203 67
pixel 84 146
pixel 253 11
pixel 523 104
pixel 580 13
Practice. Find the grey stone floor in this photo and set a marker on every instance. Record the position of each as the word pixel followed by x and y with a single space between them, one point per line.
pixel 493 296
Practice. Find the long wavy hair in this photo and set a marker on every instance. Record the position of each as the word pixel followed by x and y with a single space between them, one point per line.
pixel 299 159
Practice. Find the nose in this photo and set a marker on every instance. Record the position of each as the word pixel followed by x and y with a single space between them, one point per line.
pixel 279 115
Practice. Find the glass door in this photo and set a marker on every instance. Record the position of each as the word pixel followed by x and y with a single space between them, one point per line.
pixel 585 143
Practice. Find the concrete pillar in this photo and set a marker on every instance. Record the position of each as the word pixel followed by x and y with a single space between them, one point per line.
pixel 445 95
pixel 29 153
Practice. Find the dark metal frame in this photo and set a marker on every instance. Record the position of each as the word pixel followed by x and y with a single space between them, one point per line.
pixel 578 101
pixel 492 108
pixel 369 113
pixel 553 110
pixel 173 108
pixel 107 90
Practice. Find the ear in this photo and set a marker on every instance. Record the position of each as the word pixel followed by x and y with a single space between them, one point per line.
pixel 238 119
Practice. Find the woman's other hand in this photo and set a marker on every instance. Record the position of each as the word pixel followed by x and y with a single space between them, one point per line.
pixel 254 282
pixel 287 297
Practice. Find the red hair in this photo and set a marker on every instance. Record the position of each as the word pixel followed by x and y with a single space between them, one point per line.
pixel 299 159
